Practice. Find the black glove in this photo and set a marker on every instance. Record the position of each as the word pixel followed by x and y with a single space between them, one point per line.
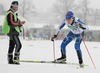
pixel 52 39
pixel 82 27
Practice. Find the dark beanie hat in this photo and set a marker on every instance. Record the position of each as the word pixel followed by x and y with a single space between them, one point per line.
pixel 14 3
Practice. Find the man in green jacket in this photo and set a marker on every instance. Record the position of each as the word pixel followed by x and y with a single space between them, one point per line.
pixel 11 27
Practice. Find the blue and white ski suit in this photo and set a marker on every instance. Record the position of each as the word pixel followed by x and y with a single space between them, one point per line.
pixel 75 32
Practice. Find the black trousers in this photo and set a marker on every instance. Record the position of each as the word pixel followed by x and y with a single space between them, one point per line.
pixel 14 42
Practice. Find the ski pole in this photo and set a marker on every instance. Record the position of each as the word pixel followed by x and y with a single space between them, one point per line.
pixel 54 50
pixel 23 32
pixel 88 51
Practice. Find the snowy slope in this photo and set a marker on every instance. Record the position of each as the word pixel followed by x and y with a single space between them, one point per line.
pixel 43 50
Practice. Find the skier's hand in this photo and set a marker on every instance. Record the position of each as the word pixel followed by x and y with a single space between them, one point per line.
pixel 52 39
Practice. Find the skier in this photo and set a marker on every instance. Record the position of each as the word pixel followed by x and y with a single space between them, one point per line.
pixel 76 30
pixel 11 27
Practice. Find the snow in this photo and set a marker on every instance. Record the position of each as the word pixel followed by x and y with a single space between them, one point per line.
pixel 2 19
pixel 94 27
pixel 43 50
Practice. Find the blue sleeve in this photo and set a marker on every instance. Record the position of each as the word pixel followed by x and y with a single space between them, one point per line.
pixel 62 25
pixel 59 28
pixel 80 22
pixel 82 25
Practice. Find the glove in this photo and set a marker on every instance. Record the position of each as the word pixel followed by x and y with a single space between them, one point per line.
pixel 82 27
pixel 52 39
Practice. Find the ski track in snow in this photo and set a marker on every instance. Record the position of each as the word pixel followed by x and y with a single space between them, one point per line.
pixel 43 50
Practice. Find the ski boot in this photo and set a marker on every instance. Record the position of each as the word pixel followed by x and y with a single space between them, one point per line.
pixel 16 58
pixel 10 59
pixel 81 63
pixel 61 59
pixel 80 58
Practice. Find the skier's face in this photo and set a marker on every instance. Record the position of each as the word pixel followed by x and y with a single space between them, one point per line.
pixel 69 21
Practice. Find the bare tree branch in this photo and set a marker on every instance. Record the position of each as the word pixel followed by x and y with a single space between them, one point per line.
pixel 27 9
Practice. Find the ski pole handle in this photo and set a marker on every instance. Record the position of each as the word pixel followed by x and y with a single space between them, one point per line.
pixel 52 39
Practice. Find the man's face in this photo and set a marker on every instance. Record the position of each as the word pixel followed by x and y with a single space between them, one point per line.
pixel 15 8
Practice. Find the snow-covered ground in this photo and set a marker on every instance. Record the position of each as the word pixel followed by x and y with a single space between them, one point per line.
pixel 43 50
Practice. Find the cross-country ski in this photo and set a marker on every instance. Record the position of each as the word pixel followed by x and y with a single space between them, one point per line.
pixel 48 62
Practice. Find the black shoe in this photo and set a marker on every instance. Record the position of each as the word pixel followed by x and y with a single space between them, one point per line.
pixel 79 57
pixel 10 59
pixel 16 58
pixel 11 62
pixel 80 61
pixel 61 59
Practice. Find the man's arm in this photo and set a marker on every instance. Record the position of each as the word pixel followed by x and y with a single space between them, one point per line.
pixel 11 21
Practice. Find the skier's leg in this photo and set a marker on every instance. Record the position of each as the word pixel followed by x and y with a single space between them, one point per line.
pixel 78 50
pixel 65 42
pixel 18 48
